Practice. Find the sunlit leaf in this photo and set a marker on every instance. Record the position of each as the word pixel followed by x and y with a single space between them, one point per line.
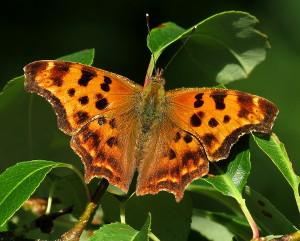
pixel 18 182
pixel 275 149
pixel 224 47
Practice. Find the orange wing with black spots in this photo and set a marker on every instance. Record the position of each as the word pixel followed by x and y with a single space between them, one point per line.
pixel 78 92
pixel 106 146
pixel 218 117
pixel 173 159
pixel 96 108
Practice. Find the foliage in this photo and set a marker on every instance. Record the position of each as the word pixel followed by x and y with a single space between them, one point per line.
pixel 223 48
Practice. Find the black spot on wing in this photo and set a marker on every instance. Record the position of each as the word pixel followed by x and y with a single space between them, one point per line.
pixel 101 120
pixel 81 116
pixel 226 119
pixel 213 122
pixel 83 100
pixel 187 138
pixel 218 97
pixel 243 113
pixel 245 99
pixel 101 104
pixel 198 103
pixel 107 80
pixel 195 120
pixel 177 137
pixel 86 75
pixel 112 141
pixel 208 139
pixel 58 71
pixel 32 69
pixel 171 154
pixel 71 92
pixel 105 87
pixel 112 123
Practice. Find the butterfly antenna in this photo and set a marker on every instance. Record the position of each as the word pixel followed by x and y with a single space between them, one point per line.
pixel 149 34
pixel 180 48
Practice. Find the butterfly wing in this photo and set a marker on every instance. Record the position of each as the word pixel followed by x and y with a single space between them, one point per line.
pixel 172 159
pixel 78 92
pixel 96 108
pixel 218 117
pixel 106 146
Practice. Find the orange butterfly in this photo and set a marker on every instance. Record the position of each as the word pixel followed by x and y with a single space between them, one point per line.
pixel 118 126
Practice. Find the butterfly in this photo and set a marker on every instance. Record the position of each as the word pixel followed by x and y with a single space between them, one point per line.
pixel 119 127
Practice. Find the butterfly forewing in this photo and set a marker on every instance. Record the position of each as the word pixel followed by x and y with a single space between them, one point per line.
pixel 218 117
pixel 78 92
pixel 96 107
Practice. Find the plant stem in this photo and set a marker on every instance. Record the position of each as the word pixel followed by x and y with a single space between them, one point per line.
pixel 75 233
pixel 254 228
pixel 297 197
pixel 49 202
pixel 149 70
pixel 122 213
pixel 153 237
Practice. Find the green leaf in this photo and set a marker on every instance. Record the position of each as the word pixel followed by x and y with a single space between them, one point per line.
pixel 143 235
pixel 268 217
pixel 122 232
pixel 202 187
pixel 18 182
pixel 232 182
pixel 84 57
pixel 162 36
pixel 220 226
pixel 114 232
pixel 276 151
pixel 170 220
pixel 224 47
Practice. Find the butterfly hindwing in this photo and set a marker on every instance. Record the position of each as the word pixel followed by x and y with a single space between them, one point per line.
pixel 106 147
pixel 172 160
pixel 78 92
pixel 218 117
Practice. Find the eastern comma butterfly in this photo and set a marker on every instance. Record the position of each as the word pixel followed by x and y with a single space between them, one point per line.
pixel 169 137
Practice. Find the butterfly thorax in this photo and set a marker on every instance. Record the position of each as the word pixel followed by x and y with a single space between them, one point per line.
pixel 153 101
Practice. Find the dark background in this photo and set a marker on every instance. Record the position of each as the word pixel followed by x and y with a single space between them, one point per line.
pixel 34 30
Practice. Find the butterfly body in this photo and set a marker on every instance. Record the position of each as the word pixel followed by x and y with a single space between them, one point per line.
pixel 153 104
pixel 119 127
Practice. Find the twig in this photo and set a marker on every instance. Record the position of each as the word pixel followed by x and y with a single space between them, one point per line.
pixel 75 233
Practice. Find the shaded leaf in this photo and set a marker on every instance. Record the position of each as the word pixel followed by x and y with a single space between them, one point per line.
pixel 267 216
pixel 143 235
pixel 276 151
pixel 170 220
pixel 231 182
pixel 202 187
pixel 122 232
pixel 18 182
pixel 220 226
pixel 84 57
pixel 224 47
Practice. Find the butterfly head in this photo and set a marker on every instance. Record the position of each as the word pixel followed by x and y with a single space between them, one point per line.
pixel 155 84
